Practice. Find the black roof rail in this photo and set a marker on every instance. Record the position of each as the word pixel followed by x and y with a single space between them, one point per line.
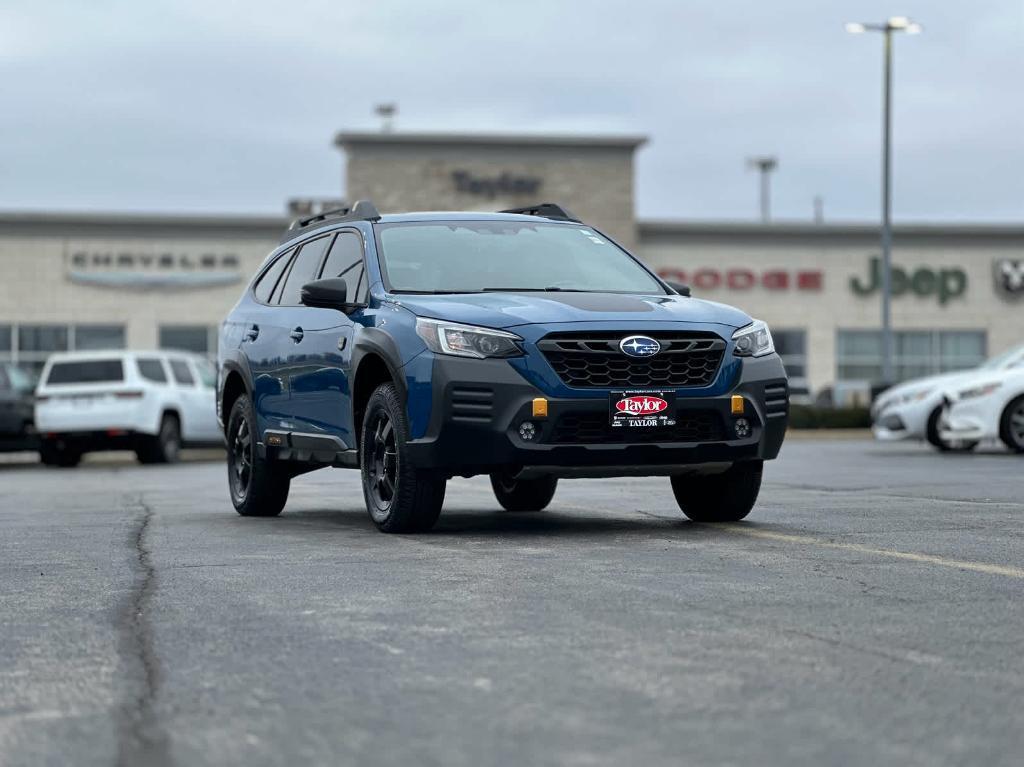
pixel 545 210
pixel 361 210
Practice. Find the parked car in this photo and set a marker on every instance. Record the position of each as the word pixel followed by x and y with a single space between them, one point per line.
pixel 988 405
pixel 524 345
pixel 912 409
pixel 17 429
pixel 149 402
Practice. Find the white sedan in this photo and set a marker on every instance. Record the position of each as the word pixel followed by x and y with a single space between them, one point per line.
pixel 989 405
pixel 912 410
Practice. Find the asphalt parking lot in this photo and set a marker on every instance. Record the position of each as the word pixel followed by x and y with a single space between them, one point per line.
pixel 870 611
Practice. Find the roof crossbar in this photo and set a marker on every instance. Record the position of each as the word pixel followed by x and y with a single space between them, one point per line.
pixel 361 210
pixel 545 210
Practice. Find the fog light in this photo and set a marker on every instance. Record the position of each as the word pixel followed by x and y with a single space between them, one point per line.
pixel 742 426
pixel 527 431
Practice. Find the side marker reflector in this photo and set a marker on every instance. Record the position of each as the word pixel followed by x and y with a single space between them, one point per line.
pixel 540 408
pixel 737 404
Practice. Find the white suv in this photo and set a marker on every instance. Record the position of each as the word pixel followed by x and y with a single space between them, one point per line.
pixel 149 402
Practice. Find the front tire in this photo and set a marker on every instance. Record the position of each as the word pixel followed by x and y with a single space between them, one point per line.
pixel 725 497
pixel 399 497
pixel 943 446
pixel 523 494
pixel 258 486
pixel 1011 425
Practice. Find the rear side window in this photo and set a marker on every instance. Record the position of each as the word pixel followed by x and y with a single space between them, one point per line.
pixel 182 375
pixel 346 261
pixel 86 371
pixel 152 370
pixel 303 270
pixel 265 286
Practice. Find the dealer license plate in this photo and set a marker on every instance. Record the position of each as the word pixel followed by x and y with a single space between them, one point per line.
pixel 642 409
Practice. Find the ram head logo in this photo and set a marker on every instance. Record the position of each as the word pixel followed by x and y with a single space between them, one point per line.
pixel 1009 274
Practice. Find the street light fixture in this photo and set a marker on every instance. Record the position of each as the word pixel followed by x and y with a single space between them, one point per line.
pixel 894 24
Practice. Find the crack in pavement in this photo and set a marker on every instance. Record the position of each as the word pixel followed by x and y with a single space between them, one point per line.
pixel 141 739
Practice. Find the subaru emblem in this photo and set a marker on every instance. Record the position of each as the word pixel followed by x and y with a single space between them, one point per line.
pixel 639 346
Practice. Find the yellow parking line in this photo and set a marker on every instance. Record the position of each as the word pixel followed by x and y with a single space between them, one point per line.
pixel 930 559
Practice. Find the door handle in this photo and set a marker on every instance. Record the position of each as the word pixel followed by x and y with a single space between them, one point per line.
pixel 296 335
pixel 252 333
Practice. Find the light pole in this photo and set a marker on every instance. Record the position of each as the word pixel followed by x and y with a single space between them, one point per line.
pixel 894 24
pixel 764 165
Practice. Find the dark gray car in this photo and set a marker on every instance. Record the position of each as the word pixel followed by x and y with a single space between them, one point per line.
pixel 17 431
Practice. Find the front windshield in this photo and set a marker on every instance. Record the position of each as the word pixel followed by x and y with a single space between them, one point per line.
pixel 474 256
pixel 1010 358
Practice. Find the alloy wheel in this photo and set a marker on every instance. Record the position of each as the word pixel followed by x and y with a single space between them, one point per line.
pixel 382 464
pixel 241 461
pixel 1017 424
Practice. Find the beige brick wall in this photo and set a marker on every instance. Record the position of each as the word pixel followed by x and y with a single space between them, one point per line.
pixel 36 289
pixel 594 182
pixel 822 313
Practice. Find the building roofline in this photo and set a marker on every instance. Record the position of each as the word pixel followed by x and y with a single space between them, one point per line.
pixel 628 141
pixel 854 230
pixel 83 224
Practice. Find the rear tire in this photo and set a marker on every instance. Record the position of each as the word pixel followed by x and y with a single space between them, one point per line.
pixel 399 497
pixel 1011 425
pixel 726 497
pixel 523 494
pixel 55 453
pixel 165 447
pixel 258 486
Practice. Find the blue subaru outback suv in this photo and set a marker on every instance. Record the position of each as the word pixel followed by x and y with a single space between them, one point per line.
pixel 525 345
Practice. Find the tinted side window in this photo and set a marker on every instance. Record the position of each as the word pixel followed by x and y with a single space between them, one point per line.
pixel 86 371
pixel 152 370
pixel 265 287
pixel 181 373
pixel 303 270
pixel 346 261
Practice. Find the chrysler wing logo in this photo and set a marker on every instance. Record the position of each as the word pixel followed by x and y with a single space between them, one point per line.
pixel 1009 274
pixel 639 346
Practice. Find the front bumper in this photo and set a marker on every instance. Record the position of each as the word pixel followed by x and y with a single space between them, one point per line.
pixel 902 421
pixel 478 406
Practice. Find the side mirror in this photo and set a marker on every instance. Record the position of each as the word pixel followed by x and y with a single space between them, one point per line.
pixel 331 293
pixel 678 287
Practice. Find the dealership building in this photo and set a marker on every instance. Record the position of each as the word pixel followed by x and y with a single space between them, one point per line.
pixel 77 281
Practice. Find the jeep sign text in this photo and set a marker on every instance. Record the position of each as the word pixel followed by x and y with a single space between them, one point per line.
pixel 946 284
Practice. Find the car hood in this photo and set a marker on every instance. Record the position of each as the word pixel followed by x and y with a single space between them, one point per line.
pixel 506 310
pixel 980 377
pixel 938 382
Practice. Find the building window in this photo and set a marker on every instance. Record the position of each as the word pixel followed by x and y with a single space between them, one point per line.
pixel 916 353
pixel 37 342
pixel 28 346
pixel 189 338
pixel 792 347
pixel 99 337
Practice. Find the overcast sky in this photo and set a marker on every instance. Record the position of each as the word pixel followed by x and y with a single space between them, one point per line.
pixel 207 106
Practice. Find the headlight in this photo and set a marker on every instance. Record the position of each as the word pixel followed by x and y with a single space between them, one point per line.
pixel 467 341
pixel 755 340
pixel 915 396
pixel 979 391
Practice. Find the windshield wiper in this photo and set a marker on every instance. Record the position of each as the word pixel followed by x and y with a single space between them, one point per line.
pixel 552 289
pixel 431 292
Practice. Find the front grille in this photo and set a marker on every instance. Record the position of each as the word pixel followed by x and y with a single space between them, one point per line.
pixel 472 404
pixel 594 360
pixel 589 428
